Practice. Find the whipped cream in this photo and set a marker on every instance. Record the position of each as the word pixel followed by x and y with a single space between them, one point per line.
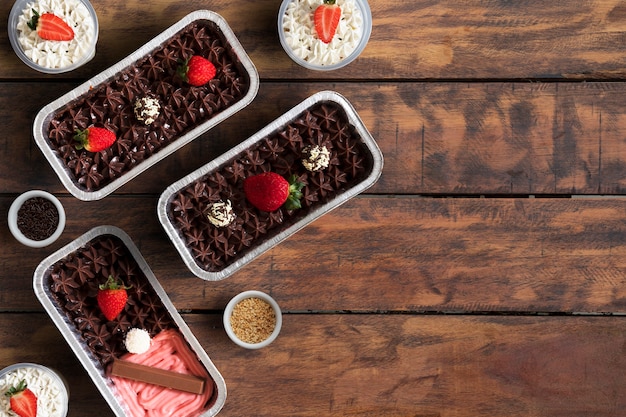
pixel 301 37
pixel 50 396
pixel 57 54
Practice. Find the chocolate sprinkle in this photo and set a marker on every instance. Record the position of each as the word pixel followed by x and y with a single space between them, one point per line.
pixel 37 218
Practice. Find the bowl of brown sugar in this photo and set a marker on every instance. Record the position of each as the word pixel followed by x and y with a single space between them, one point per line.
pixel 252 319
pixel 36 218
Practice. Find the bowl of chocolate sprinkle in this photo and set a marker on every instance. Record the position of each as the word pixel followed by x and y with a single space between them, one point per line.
pixel 36 218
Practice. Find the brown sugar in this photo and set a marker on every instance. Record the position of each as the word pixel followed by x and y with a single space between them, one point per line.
pixel 253 320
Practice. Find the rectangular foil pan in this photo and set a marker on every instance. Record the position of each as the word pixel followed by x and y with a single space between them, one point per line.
pixel 46 113
pixel 369 143
pixel 73 338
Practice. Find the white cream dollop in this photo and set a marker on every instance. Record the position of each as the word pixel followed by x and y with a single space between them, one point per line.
pixel 300 34
pixel 57 54
pixel 137 341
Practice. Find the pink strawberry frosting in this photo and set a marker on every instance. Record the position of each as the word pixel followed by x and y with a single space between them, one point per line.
pixel 167 351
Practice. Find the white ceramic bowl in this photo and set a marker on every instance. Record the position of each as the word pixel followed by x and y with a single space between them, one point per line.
pixel 13 215
pixel 36 376
pixel 366 16
pixel 21 7
pixel 229 311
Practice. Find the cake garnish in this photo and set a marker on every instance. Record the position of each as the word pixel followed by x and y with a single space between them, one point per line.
pixel 112 297
pixel 22 400
pixel 94 139
pixel 326 19
pixel 220 214
pixel 315 158
pixel 137 341
pixel 50 27
pixel 147 109
pixel 197 71
pixel 268 191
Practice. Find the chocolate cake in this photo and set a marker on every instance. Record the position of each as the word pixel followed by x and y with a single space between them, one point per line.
pixel 180 108
pixel 67 283
pixel 74 280
pixel 324 125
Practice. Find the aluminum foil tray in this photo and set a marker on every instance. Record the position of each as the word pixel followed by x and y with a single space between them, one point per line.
pixel 180 207
pixel 69 327
pixel 79 183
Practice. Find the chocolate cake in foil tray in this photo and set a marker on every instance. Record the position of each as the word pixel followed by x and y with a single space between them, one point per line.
pixel 144 359
pixel 152 109
pixel 321 144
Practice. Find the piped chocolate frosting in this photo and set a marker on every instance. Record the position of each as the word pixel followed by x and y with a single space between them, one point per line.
pixel 183 107
pixel 323 125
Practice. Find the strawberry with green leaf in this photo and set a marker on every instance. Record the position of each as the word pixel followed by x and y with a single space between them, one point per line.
pixel 94 138
pixel 22 400
pixel 326 19
pixel 197 71
pixel 268 191
pixel 112 297
pixel 50 27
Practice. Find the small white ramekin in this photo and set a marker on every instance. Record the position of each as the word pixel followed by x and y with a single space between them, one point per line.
pixel 56 378
pixel 366 13
pixel 14 15
pixel 13 212
pixel 229 311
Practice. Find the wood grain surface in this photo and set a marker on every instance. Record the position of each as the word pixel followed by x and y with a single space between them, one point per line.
pixel 437 138
pixel 483 274
pixel 422 39
pixel 384 365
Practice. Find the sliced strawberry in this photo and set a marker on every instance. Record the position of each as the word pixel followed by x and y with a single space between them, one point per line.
pixel 22 400
pixel 51 27
pixel 326 19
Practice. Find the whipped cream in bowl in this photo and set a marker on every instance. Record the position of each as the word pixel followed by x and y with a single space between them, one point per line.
pixel 299 38
pixel 49 387
pixel 54 56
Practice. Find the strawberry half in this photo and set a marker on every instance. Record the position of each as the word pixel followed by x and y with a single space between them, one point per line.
pixel 94 139
pixel 326 19
pixel 50 27
pixel 112 297
pixel 197 71
pixel 269 191
pixel 22 400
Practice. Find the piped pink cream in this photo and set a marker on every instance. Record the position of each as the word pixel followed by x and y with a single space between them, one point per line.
pixel 168 351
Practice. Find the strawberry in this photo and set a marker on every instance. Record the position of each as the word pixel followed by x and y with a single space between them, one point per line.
pixel 197 71
pixel 94 139
pixel 326 19
pixel 112 297
pixel 269 191
pixel 50 27
pixel 22 400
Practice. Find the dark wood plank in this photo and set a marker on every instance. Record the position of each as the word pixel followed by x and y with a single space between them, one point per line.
pixel 384 365
pixel 439 138
pixel 423 254
pixel 411 40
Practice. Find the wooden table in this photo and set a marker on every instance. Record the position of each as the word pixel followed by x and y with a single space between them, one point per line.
pixel 484 273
